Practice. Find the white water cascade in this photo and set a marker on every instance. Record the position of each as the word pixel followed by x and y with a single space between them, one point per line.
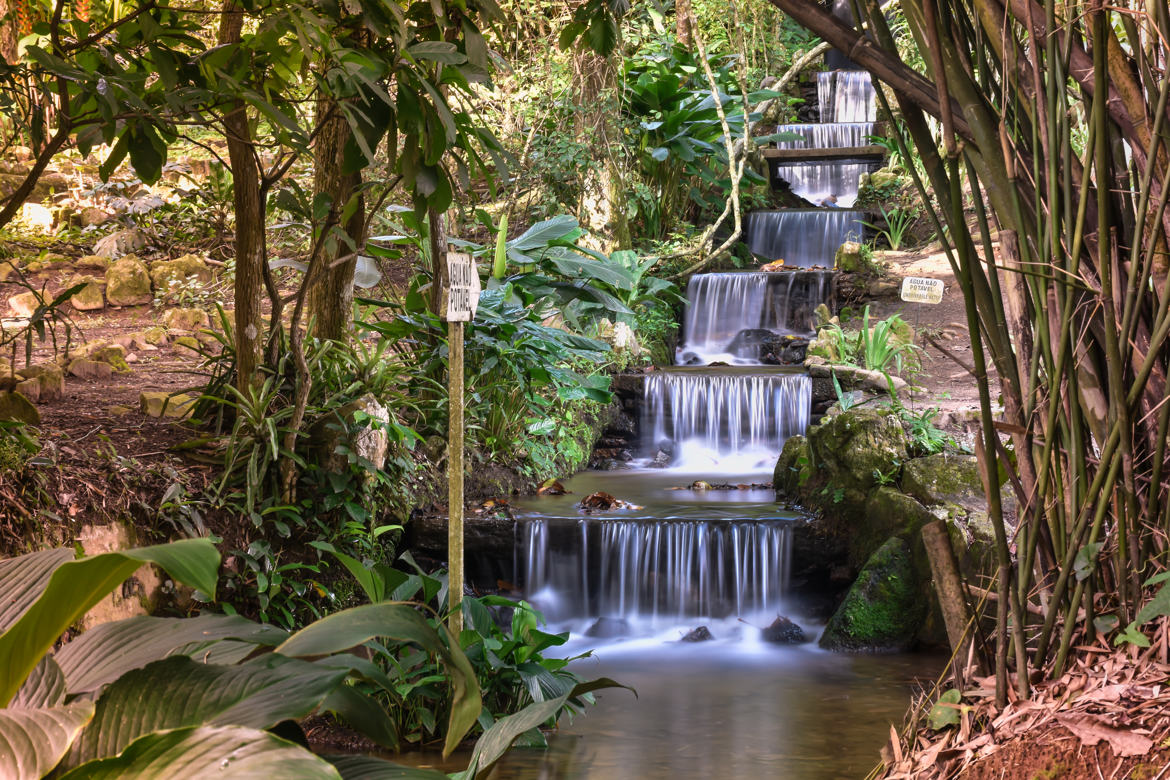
pixel 725 311
pixel 716 419
pixel 656 571
pixel 801 237
pixel 846 96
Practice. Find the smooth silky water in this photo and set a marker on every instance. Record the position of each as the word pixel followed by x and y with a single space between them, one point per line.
pixel 629 584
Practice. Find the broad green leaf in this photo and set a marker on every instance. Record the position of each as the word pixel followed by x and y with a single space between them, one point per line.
pixel 945 711
pixel 209 751
pixel 1156 607
pixel 45 687
pixel 362 713
pixel 437 51
pixel 370 768
pixel 497 739
pixel 1086 561
pixel 106 652
pixel 351 627
pixel 32 741
pixel 23 578
pixel 74 587
pixel 540 234
pixel 180 693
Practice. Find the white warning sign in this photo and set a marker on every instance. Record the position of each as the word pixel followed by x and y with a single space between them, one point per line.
pixel 463 293
pixel 922 289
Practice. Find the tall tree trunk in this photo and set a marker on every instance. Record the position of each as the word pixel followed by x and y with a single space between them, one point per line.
pixel 8 32
pixel 683 22
pixel 602 211
pixel 249 212
pixel 331 291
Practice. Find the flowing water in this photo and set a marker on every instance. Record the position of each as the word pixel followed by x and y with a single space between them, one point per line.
pixel 703 543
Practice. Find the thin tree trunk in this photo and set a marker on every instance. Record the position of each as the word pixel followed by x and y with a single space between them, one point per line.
pixel 331 293
pixel 249 240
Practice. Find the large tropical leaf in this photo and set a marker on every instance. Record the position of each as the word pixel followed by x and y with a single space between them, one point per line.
pixel 106 652
pixel 370 768
pixel 45 687
pixel 496 740
pixel 23 578
pixel 351 627
pixel 75 586
pixel 209 751
pixel 179 692
pixel 540 234
pixel 32 741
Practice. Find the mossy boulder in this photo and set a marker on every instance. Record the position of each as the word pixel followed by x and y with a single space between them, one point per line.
pixel 16 408
pixel 128 282
pixel 156 336
pixel 792 467
pixel 187 345
pixel 163 404
pixel 944 479
pixel 888 512
pixel 168 275
pixel 96 262
pixel 851 259
pixel 42 382
pixel 185 320
pixel 91 297
pixel 856 449
pixel 113 355
pixel 884 608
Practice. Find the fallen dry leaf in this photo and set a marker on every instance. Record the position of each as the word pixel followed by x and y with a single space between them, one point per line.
pixel 1091 730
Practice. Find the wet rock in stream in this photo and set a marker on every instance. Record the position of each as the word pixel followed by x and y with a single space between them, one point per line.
pixel 609 628
pixel 700 634
pixel 784 632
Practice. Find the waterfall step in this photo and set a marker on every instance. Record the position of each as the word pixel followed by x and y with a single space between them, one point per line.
pixel 839 153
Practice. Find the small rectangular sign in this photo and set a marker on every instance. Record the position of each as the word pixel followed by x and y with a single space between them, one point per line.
pixel 464 288
pixel 922 289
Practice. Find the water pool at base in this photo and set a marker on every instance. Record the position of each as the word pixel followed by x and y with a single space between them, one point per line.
pixel 712 711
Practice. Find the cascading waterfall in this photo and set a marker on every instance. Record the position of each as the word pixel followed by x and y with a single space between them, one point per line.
pixel 801 237
pixel 846 96
pixel 655 570
pixel 826 136
pixel 702 552
pixel 829 183
pixel 722 306
pixel 712 419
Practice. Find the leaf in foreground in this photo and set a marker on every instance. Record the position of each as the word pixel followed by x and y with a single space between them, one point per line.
pixel 209 751
pixel 32 741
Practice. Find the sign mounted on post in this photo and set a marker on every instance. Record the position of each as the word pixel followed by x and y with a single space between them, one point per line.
pixel 463 292
pixel 922 289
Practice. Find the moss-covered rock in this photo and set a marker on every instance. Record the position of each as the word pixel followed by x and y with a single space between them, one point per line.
pixel 91 297
pixel 187 345
pixel 96 262
pixel 168 275
pixel 791 468
pixel 16 408
pixel 944 479
pixel 857 449
pixel 162 404
pixel 156 336
pixel 112 354
pixel 185 320
pixel 42 382
pixel 128 283
pixel 883 610
pixel 888 512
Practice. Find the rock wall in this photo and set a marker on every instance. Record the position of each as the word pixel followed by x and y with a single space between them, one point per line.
pixel 856 472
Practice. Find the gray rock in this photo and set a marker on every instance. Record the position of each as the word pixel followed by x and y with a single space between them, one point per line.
pixel 123 242
pixel 609 628
pixel 700 634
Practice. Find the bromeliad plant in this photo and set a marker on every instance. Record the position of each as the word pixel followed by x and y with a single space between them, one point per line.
pixel 190 697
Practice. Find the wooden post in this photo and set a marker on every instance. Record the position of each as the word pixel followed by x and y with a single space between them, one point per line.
pixel 949 587
pixel 461 301
pixel 455 476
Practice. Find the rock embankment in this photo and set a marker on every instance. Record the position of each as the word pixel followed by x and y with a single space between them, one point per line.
pixel 857 472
